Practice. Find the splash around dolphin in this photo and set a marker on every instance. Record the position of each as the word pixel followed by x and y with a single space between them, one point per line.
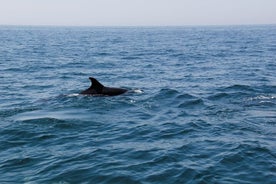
pixel 97 89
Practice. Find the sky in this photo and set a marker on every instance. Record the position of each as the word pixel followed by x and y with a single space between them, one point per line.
pixel 137 12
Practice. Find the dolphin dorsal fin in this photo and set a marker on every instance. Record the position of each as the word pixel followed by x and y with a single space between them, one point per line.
pixel 96 84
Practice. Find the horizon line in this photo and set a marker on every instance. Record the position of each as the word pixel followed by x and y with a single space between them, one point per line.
pixel 187 25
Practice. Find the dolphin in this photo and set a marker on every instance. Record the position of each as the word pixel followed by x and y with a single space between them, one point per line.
pixel 97 89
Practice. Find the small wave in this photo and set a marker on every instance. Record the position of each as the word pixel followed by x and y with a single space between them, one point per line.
pixel 44 120
pixel 263 97
pixel 261 100
pixel 131 58
pixel 73 95
pixel 218 96
pixel 15 111
pixel 185 96
pixel 166 93
pixel 191 103
pixel 239 87
pixel 49 122
pixel 139 91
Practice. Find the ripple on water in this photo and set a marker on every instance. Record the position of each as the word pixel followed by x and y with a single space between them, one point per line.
pixel 205 113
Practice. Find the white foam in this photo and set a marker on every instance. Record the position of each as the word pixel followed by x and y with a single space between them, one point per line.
pixel 74 94
pixel 138 91
pixel 262 97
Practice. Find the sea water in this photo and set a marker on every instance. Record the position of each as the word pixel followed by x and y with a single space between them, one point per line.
pixel 202 107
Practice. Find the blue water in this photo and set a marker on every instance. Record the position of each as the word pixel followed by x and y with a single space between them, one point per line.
pixel 204 110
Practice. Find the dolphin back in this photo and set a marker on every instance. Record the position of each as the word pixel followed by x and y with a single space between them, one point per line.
pixel 98 89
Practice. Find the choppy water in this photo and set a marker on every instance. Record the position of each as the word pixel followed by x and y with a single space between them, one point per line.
pixel 207 112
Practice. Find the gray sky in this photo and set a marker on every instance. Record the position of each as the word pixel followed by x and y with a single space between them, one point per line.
pixel 137 12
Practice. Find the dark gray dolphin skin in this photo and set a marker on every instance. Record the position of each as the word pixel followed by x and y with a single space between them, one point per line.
pixel 97 89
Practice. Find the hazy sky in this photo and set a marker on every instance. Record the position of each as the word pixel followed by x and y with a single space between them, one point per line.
pixel 137 12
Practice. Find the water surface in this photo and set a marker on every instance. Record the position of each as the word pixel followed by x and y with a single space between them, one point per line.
pixel 206 113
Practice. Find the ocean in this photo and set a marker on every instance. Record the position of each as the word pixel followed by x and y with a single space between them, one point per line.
pixel 202 110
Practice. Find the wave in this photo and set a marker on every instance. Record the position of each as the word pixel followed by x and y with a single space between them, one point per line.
pixel 199 114
pixel 238 87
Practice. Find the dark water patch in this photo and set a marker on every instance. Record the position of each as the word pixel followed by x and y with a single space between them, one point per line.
pixel 238 87
pixel 192 104
pixel 219 96
pixel 51 122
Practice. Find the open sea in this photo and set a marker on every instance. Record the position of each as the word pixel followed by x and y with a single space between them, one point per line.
pixel 202 107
